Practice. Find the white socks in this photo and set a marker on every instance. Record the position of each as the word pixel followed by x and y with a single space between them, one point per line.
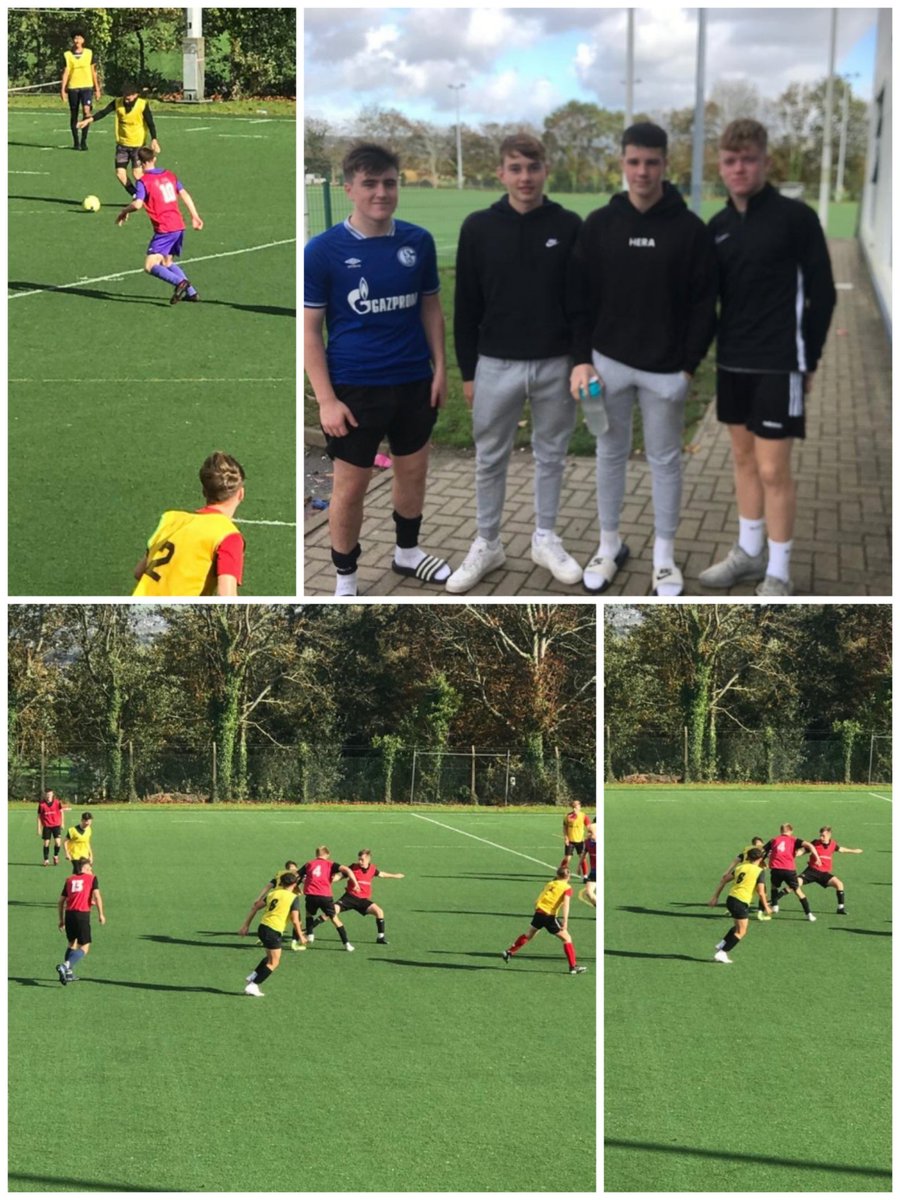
pixel 751 536
pixel 610 543
pixel 411 556
pixel 780 560
pixel 346 585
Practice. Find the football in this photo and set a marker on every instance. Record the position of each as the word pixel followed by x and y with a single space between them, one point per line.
pixel 90 204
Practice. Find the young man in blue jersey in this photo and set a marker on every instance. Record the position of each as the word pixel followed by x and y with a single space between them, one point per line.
pixel 373 283
pixel 776 295
pixel 512 344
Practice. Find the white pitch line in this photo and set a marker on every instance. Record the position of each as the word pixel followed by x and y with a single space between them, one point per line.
pixel 475 837
pixel 28 172
pixel 257 136
pixel 197 129
pixel 61 287
pixel 158 379
pixel 246 521
pixel 878 796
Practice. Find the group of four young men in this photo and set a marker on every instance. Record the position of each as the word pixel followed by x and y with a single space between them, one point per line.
pixel 618 309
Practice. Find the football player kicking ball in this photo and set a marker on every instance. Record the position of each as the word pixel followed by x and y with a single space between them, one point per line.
pixel 282 903
pixel 746 882
pixel 551 912
pixel 361 901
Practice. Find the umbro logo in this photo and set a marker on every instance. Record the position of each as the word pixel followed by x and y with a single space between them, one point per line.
pixel 721 237
pixel 353 262
pixel 773 425
pixel 551 242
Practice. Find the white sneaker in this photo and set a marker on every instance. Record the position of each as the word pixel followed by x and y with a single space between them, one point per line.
pixel 721 956
pixel 774 908
pixel 349 947
pixel 810 917
pixel 473 568
pixel 252 989
pixel 548 551
pixel 310 938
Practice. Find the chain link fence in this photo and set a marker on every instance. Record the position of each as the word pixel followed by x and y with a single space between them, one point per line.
pixel 303 775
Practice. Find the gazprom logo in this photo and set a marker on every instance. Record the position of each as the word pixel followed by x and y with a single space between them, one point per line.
pixel 359 301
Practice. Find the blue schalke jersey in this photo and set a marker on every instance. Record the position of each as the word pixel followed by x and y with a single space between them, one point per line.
pixel 371 289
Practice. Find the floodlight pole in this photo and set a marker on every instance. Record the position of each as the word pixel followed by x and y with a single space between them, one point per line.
pixel 629 71
pixel 458 87
pixel 825 178
pixel 193 55
pixel 699 115
pixel 842 150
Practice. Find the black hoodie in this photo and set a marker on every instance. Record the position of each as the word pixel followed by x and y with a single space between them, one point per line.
pixel 642 286
pixel 511 272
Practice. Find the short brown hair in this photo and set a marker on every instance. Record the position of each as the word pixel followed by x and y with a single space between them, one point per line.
pixel 523 143
pixel 370 157
pixel 221 477
pixel 744 132
pixel 146 154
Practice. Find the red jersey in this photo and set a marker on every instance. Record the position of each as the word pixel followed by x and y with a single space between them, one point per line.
pixel 78 890
pixel 160 197
pixel 365 877
pixel 780 851
pixel 317 875
pixel 50 815
pixel 826 854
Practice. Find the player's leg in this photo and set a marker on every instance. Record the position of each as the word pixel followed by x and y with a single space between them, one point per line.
pixel 56 847
pixel 613 450
pixel 340 927
pixel 85 112
pixel 662 399
pixel 409 437
pixel 377 912
pixel 795 887
pixel 123 160
pixel 553 416
pixel 519 942
pixel 838 886
pixel 773 463
pixel 74 97
pixel 46 847
pixel 569 950
pixel 345 517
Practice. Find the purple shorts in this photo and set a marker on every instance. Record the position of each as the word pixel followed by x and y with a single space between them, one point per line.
pixel 166 243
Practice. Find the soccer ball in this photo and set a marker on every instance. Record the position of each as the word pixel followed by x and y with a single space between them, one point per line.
pixel 90 204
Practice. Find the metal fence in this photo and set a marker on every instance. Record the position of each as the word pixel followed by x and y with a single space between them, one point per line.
pixel 303 775
pixel 752 757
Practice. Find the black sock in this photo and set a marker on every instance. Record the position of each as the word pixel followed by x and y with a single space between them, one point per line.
pixel 310 923
pixel 73 125
pixel 46 854
pixel 319 919
pixel 129 188
pixel 840 899
pixel 345 564
pixel 805 904
pixel 731 940
pixel 379 921
pixel 342 933
pixel 407 531
pixel 262 973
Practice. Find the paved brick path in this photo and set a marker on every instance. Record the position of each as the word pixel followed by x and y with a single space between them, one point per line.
pixel 842 544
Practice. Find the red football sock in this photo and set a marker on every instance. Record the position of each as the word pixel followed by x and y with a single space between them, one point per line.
pixel 570 953
pixel 518 944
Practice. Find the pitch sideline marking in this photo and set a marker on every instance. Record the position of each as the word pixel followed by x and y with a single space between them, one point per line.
pixel 476 838
pixel 60 287
pixel 158 379
pixel 878 796
pixel 247 521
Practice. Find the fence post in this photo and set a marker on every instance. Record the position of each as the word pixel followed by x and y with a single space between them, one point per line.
pixel 871 755
pixel 132 794
pixel 506 790
pixel 43 768
pixel 412 780
pixel 215 776
pixel 473 799
pixel 326 203
pixel 607 757
pixel 558 780
pixel 686 775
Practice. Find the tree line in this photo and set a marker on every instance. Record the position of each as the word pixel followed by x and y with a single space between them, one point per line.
pixel 249 51
pixel 311 684
pixel 749 684
pixel 583 140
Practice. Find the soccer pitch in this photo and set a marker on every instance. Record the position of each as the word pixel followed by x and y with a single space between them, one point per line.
pixel 425 1065
pixel 115 396
pixel 772 1074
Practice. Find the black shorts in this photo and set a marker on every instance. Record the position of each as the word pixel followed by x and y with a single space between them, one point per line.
pixel 351 903
pixel 127 156
pixel 316 904
pixel 269 937
pixel 780 877
pixel 80 97
pixel 770 405
pixel 52 831
pixel 402 413
pixel 542 920
pixel 739 909
pixel 78 927
pixel 574 848
pixel 811 875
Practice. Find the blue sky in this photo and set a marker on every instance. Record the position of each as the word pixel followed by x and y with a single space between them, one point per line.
pixel 521 63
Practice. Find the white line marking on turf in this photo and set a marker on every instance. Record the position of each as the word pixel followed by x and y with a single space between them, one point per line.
pixel 878 796
pixel 247 521
pixel 159 379
pixel 475 837
pixel 258 136
pixel 61 287
pixel 197 129
pixel 28 172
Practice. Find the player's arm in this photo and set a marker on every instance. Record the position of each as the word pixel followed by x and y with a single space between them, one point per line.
pixel 259 903
pixel 564 911
pixel 104 112
pixel 135 206
pixel 810 848
pixel 335 417
pixel 140 568
pixel 761 892
pixel 389 875
pixel 64 84
pixel 226 585
pixel 351 878
pixel 151 129
pixel 847 850
pixel 298 930
pixel 66 850
pixel 711 903
pixel 196 219
pixel 98 900
pixel 96 81
pixel 433 324
pixel 60 910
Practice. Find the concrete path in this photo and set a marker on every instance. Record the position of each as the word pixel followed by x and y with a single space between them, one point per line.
pixel 842 544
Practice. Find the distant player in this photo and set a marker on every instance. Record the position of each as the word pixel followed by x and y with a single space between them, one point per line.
pixel 134 121
pixel 741 857
pixel 316 878
pixel 80 891
pixel 260 902
pixel 827 847
pixel 78 840
pixel 780 852
pixel 49 819
pixel 589 892
pixel 364 871
pixel 79 86
pixel 158 191
pixel 551 912
pixel 199 553
pixel 282 904
pixel 574 825
pixel 746 884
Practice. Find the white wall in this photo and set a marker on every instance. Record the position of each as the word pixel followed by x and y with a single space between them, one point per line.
pixel 875 210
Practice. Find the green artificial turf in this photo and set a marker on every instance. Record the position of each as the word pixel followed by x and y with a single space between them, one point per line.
pixel 424 1065
pixel 772 1074
pixel 115 396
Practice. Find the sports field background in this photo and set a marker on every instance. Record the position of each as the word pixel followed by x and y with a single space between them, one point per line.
pixel 772 1074
pixel 425 1065
pixel 115 396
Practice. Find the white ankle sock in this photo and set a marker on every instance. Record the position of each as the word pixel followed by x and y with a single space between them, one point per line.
pixel 751 535
pixel 664 552
pixel 610 543
pixel 411 556
pixel 780 560
pixel 346 585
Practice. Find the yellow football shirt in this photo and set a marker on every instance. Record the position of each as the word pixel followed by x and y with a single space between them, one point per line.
pixel 181 554
pixel 78 842
pixel 551 898
pixel 80 73
pixel 575 823
pixel 746 877
pixel 130 127
pixel 279 903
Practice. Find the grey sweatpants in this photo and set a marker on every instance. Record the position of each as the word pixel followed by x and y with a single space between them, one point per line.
pixel 661 398
pixel 501 388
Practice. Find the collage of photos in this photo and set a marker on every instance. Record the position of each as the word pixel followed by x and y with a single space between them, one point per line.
pixel 593 398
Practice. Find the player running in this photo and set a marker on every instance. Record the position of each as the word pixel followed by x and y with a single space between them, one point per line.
pixel 78 839
pixel 80 891
pixel 574 824
pixel 822 874
pixel 158 191
pixel 364 871
pixel 316 877
pixel 780 852
pixel 282 904
pixel 746 882
pixel 49 818
pixel 134 121
pixel 260 902
pixel 551 912
pixel 741 857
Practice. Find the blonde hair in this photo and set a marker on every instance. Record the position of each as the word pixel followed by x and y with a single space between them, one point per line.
pixel 744 132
